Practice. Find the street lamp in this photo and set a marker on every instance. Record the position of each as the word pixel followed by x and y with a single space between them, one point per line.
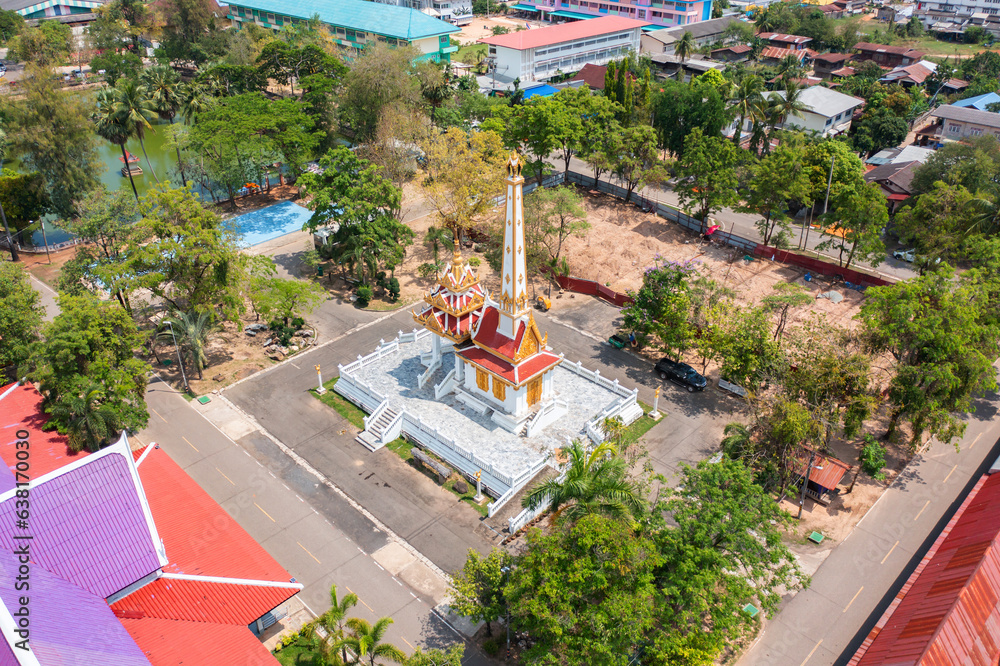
pixel 506 602
pixel 180 362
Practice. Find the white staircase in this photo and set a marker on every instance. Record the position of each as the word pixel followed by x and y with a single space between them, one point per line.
pixel 382 429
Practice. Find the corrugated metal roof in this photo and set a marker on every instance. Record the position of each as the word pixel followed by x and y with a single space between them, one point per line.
pixel 827 471
pixel 375 17
pixel 88 525
pixel 202 601
pixel 948 612
pixel 967 115
pixel 198 535
pixel 564 32
pixel 171 642
pixel 69 626
pixel 22 409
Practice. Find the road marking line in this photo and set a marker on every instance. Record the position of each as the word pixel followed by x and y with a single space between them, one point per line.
pixel 379 566
pixel 397 581
pixel 294 366
pixel 264 512
pixel 186 440
pixel 889 553
pixel 224 475
pixel 811 652
pixel 850 602
pixel 949 474
pixel 921 510
pixel 157 413
pixel 414 596
pixel 360 599
pixel 408 643
pixel 975 440
pixel 308 553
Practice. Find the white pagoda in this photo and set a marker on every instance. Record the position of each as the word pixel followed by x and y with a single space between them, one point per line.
pixel 501 358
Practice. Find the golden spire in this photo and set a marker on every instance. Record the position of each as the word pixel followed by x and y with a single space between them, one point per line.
pixel 456 262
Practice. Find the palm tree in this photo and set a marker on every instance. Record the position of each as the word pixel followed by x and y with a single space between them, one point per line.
pixel 192 331
pixel 592 483
pixel 684 48
pixel 747 102
pixel 165 92
pixel 193 100
pixel 790 67
pixel 737 441
pixel 112 127
pixel 436 237
pixel 88 423
pixel 764 21
pixel 135 106
pixel 984 212
pixel 365 641
pixel 783 106
pixel 335 620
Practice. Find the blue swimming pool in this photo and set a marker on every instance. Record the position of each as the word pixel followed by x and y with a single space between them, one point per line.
pixel 268 223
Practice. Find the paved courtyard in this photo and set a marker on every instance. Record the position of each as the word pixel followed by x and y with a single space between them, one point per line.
pixel 395 377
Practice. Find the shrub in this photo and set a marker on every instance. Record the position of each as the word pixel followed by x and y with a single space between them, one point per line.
pixel 365 295
pixel 394 288
pixel 475 262
pixel 298 322
pixel 491 647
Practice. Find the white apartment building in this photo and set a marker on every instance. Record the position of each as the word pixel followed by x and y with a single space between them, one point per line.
pixel 964 7
pixel 542 53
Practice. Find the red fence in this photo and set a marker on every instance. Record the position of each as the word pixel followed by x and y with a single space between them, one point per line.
pixel 591 288
pixel 819 266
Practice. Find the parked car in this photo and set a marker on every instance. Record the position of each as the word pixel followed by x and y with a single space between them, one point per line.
pixel 905 255
pixel 681 374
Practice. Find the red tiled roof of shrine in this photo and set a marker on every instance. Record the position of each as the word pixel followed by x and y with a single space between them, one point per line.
pixel 488 334
pixel 515 375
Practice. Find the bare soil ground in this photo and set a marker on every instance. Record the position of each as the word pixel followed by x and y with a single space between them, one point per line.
pixel 481 27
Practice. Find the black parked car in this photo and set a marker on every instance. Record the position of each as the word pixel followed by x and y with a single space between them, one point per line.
pixel 682 374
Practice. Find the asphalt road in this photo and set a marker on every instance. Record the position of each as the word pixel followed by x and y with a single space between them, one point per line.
pixel 826 623
pixel 311 531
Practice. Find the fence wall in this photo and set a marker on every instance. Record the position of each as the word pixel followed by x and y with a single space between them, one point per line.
pixel 819 266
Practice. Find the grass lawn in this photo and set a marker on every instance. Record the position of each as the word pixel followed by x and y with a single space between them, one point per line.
pixel 293 655
pixel 467 53
pixel 641 425
pixel 342 406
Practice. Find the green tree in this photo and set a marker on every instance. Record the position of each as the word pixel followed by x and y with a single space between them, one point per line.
pixel 684 46
pixel 90 345
pixel 380 78
pixel 435 657
pixel 47 45
pixel 859 216
pixel 872 459
pixel 116 66
pixel 191 34
pixel 942 336
pixel 193 331
pixel 783 106
pixel 561 214
pixel 879 128
pixel 659 309
pixel 191 260
pixel 23 198
pixel 286 299
pixel 478 589
pixel 787 295
pixel 436 237
pixel 350 191
pixel 707 173
pixel 586 594
pixel 725 549
pixel 20 317
pixel 50 133
pixel 776 182
pixel 973 163
pixel 594 482
pixel 748 101
pixel 164 86
pixel 937 223
pixel 740 339
pixel 11 24
pixel 335 619
pixel 113 127
pixel 365 640
pixel 637 163
pixel 131 101
pixel 679 108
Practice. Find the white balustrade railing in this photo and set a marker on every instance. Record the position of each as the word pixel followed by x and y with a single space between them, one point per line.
pixel 373 417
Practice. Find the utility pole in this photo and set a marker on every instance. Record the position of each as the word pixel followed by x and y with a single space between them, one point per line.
pixel 10 239
pixel 829 183
pixel 805 484
pixel 180 361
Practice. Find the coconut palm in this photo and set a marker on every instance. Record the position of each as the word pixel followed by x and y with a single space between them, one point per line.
pixel 135 106
pixel 88 423
pixel 784 106
pixel 335 620
pixel 365 640
pixel 595 482
pixel 193 332
pixel 112 127
pixel 764 21
pixel 737 441
pixel 684 47
pixel 194 99
pixel 165 92
pixel 747 102
pixel 435 238
pixel 984 212
pixel 790 67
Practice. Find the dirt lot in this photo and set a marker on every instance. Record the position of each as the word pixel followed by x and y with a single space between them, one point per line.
pixel 480 28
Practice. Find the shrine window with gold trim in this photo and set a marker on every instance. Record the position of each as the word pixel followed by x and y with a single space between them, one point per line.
pixel 499 389
pixel 482 380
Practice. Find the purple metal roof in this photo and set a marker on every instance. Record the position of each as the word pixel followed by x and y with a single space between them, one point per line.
pixel 69 626
pixel 88 526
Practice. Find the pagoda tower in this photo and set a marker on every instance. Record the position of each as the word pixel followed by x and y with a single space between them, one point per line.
pixel 506 363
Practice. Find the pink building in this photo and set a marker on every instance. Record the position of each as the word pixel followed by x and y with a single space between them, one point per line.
pixel 663 13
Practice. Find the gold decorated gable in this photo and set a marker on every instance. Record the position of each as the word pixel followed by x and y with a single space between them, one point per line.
pixel 438 301
pixel 532 342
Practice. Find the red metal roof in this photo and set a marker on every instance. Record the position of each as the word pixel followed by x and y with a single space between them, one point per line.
pixel 883 48
pixel 778 53
pixel 948 612
pixel 826 472
pixel 783 38
pixel 515 375
pixel 592 75
pixel 564 32
pixel 833 57
pixel 22 409
pixel 172 642
pixel 198 535
pixel 202 601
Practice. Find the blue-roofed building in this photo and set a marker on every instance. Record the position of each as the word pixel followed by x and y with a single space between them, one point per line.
pixel 979 102
pixel 354 23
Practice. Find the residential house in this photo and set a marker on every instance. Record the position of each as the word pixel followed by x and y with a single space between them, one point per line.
pixel 958 122
pixel 353 23
pixel 542 53
pixel 704 33
pixel 737 53
pixel 887 56
pixel 52 9
pixel 894 179
pixel 131 561
pixel 783 41
pixel 910 75
pixel 827 112
pixel 895 13
pixel 824 64
pixel 947 610
pixel 979 102
pixel 962 7
pixel 671 66
pixel 831 11
pixel 772 55
pixel 953 86
pixel 841 73
pixel 667 13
